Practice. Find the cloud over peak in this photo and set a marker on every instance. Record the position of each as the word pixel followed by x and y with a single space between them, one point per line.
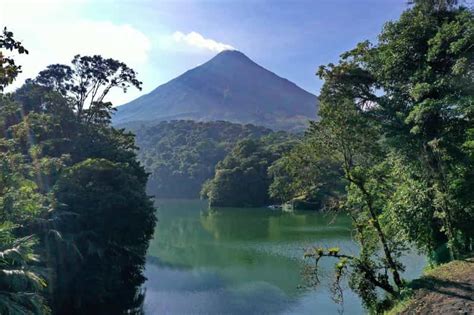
pixel 196 40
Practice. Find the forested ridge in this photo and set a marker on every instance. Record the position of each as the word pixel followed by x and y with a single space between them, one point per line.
pixel 216 160
pixel 181 155
pixel 75 218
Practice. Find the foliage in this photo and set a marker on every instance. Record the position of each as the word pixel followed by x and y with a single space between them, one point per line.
pixel 8 69
pixel 20 284
pixel 181 155
pixel 349 140
pixel 242 178
pixel 72 196
pixel 109 209
pixel 397 117
pixel 304 174
pixel 424 65
pixel 88 82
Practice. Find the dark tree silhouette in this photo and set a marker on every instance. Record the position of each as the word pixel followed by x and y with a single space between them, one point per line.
pixel 87 82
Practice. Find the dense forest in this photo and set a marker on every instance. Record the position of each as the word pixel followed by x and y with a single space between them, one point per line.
pixel 181 155
pixel 298 179
pixel 227 163
pixel 242 179
pixel 75 218
pixel 397 124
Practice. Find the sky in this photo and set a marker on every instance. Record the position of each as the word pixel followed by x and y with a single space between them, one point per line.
pixel 162 39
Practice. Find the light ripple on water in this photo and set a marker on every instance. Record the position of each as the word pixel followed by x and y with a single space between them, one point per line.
pixel 290 249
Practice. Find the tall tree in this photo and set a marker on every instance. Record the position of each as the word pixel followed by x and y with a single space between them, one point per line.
pixel 346 138
pixel 72 195
pixel 417 83
pixel 87 82
pixel 397 115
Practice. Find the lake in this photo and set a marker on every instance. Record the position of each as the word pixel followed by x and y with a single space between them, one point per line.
pixel 244 261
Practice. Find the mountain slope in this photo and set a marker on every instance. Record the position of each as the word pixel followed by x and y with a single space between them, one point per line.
pixel 230 87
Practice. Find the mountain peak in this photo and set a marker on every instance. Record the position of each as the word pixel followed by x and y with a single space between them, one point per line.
pixel 229 87
pixel 231 53
pixel 230 57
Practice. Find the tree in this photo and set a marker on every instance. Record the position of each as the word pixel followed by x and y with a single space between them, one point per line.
pixel 68 182
pixel 55 153
pixel 397 116
pixel 88 82
pixel 304 174
pixel 8 69
pixel 242 179
pixel 114 223
pixel 181 155
pixel 20 284
pixel 417 83
pixel 344 136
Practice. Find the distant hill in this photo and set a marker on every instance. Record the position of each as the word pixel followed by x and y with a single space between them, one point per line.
pixel 182 155
pixel 228 87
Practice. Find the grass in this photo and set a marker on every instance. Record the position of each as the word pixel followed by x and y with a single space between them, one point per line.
pixel 400 306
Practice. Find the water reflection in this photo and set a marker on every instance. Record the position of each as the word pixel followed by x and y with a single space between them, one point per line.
pixel 240 261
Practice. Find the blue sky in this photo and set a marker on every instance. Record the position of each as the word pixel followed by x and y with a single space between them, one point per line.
pixel 162 39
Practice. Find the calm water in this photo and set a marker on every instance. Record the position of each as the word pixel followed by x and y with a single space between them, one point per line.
pixel 243 261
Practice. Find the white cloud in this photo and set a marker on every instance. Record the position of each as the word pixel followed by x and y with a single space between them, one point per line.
pixel 53 33
pixel 196 40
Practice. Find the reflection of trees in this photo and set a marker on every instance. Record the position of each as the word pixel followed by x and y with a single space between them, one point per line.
pixel 181 241
pixel 240 245
pixel 293 226
pixel 235 224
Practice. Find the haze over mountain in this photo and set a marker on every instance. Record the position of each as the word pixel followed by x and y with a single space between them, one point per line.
pixel 229 87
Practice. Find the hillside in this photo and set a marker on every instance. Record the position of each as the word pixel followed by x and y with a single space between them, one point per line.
pixel 181 155
pixel 228 87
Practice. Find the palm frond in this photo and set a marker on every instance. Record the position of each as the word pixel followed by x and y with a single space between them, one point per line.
pixel 20 285
pixel 21 280
pixel 22 303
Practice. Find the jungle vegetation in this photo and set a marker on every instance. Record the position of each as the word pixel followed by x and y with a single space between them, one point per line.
pixel 75 217
pixel 242 178
pixel 393 149
pixel 397 122
pixel 181 155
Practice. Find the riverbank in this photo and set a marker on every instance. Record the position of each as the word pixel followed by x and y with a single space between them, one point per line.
pixel 447 289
